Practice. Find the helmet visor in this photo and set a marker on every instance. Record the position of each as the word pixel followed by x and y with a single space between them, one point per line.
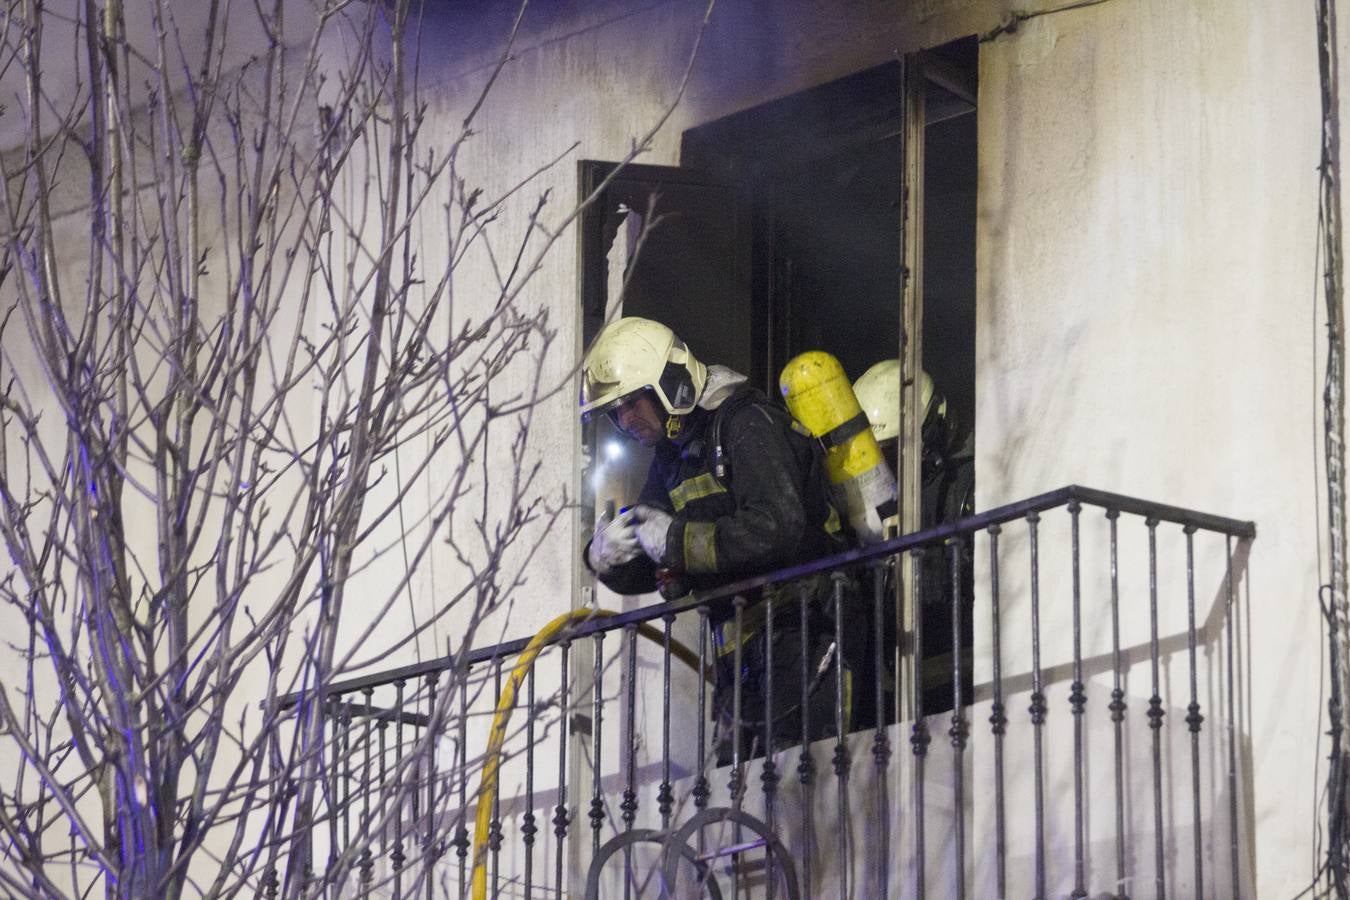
pixel 607 401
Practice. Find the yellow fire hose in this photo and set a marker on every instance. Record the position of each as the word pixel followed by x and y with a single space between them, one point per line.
pixel 497 735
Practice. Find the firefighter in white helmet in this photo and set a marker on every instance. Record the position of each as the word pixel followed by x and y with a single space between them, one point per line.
pixel 734 491
pixel 948 450
pixel 947 494
pixel 878 393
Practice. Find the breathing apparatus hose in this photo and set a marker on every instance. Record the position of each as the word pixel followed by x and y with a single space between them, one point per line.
pixel 497 734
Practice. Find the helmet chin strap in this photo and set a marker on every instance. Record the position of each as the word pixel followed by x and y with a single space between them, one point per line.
pixel 674 424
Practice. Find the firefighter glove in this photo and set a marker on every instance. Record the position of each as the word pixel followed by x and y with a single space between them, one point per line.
pixel 653 525
pixel 615 542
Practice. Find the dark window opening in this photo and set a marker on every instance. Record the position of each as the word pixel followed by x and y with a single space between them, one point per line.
pixel 782 232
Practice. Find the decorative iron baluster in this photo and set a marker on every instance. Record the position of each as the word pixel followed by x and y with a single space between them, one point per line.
pixel 348 779
pixel 429 853
pixel 702 789
pixel 881 747
pixel 768 778
pixel 736 781
pixel 1193 716
pixel 738 666
pixel 1155 710
pixel 998 719
pixel 382 728
pixel 300 864
pixel 1232 727
pixel 366 865
pixel 397 858
pixel 839 581
pixel 665 796
pixel 527 828
pixel 461 840
pixel 959 731
pixel 806 765
pixel 334 769
pixel 416 793
pixel 347 717
pixel 597 813
pixel 629 806
pixel 1077 702
pixel 1117 708
pixel 918 738
pixel 1037 708
pixel 561 819
pixel 495 825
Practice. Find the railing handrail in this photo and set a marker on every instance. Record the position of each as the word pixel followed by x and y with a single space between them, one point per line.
pixel 1119 503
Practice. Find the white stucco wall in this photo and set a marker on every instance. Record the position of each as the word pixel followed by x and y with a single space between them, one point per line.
pixel 1148 321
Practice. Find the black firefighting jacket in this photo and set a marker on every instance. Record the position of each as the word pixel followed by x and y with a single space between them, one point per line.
pixel 766 506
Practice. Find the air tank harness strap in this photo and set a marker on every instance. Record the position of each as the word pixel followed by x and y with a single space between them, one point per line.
pixel 845 431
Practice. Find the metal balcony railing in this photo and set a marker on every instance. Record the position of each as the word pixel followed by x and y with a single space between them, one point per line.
pixel 1133 786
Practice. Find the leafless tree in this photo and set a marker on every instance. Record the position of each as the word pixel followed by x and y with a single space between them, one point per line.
pixel 238 382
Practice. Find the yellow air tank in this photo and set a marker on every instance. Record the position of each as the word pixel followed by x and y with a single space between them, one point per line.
pixel 819 396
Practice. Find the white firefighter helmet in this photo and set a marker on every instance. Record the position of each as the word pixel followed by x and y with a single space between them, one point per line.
pixel 878 393
pixel 634 354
